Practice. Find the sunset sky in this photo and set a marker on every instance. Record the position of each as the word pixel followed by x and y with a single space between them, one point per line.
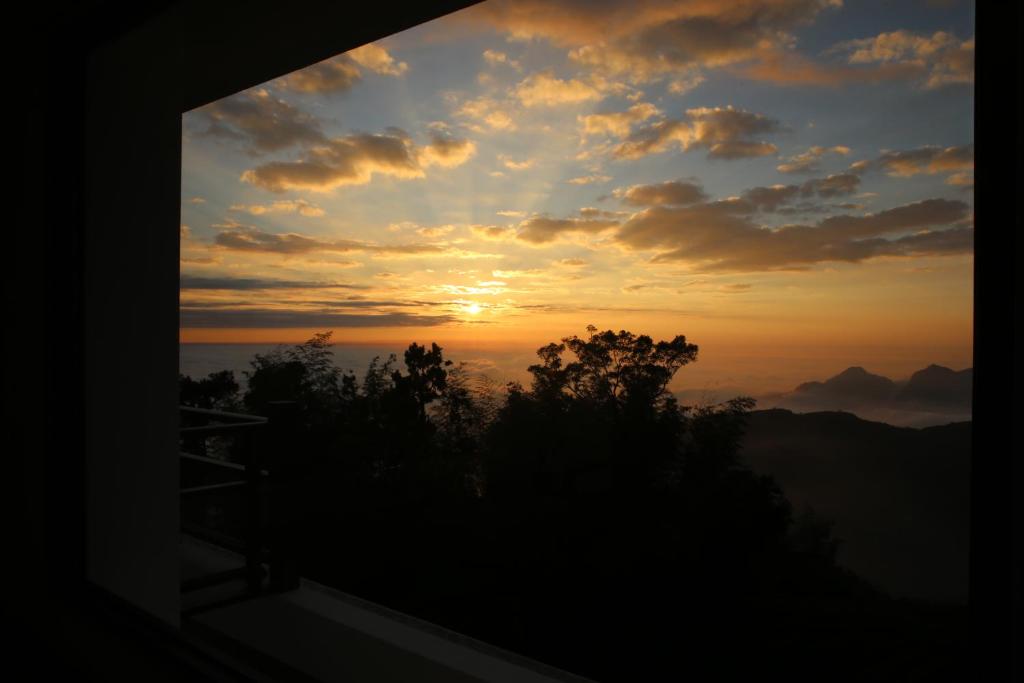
pixel 789 183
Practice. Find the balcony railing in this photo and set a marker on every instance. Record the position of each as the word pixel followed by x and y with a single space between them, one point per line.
pixel 225 465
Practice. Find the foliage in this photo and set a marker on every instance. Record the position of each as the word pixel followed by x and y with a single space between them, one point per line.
pixel 593 480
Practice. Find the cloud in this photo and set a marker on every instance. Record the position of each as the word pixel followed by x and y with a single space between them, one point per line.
pixel 353 159
pixel 928 160
pixel 672 192
pixel 617 124
pixel 435 231
pixel 376 59
pixel 722 236
pixel 284 318
pixel 542 230
pixel 246 284
pixel 807 162
pixel 588 179
pixel 790 68
pixel 489 111
pixel 494 57
pixel 266 123
pixel 771 198
pixel 681 86
pixel 195 200
pixel 245 238
pixel 648 40
pixel 942 58
pixel 446 151
pixel 516 165
pixel 545 89
pixel 962 179
pixel 510 213
pixel 832 186
pixel 571 262
pixel 300 206
pixel 492 232
pixel 724 131
pixel 339 74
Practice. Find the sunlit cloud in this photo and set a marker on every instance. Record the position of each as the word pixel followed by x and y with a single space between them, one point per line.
pixel 263 122
pixel 300 206
pixel 942 58
pixel 671 192
pixel 542 229
pixel 808 162
pixel 617 124
pixel 495 57
pixel 340 73
pixel 589 179
pixel 354 159
pixel 724 131
pixel 545 89
pixel 516 165
pixel 722 236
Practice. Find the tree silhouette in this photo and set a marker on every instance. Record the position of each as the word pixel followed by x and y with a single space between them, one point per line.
pixel 588 520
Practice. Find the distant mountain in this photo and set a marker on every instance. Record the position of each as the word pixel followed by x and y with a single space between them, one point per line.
pixel 852 384
pixel 938 385
pixel 900 497
pixel 932 396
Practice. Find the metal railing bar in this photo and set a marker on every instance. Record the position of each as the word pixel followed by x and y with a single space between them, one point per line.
pixel 218 463
pixel 213 461
pixel 212 487
pixel 213 429
pixel 222 414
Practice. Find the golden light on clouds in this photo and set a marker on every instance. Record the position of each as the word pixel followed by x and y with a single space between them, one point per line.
pixel 508 174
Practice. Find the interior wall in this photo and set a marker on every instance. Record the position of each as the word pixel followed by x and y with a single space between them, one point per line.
pixel 130 292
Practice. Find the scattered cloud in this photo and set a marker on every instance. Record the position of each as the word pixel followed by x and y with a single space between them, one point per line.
pixel 264 122
pixel 340 73
pixel 291 318
pixel 545 89
pixel 833 185
pixel 807 162
pixel 337 74
pixel 617 124
pixel 494 114
pixel 353 159
pixel 542 229
pixel 300 206
pixel 929 160
pixel 724 131
pixel 589 179
pixel 245 284
pixel 446 151
pixel 941 58
pixel 492 232
pixel 494 57
pixel 721 236
pixel 672 192
pixel 514 165
pixel 435 231
pixel 377 59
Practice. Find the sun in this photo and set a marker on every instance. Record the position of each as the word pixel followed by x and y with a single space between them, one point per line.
pixel 473 309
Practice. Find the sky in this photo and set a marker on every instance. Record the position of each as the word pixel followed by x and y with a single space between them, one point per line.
pixel 788 183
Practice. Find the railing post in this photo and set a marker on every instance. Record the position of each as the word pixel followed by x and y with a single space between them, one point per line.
pixel 282 443
pixel 253 513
